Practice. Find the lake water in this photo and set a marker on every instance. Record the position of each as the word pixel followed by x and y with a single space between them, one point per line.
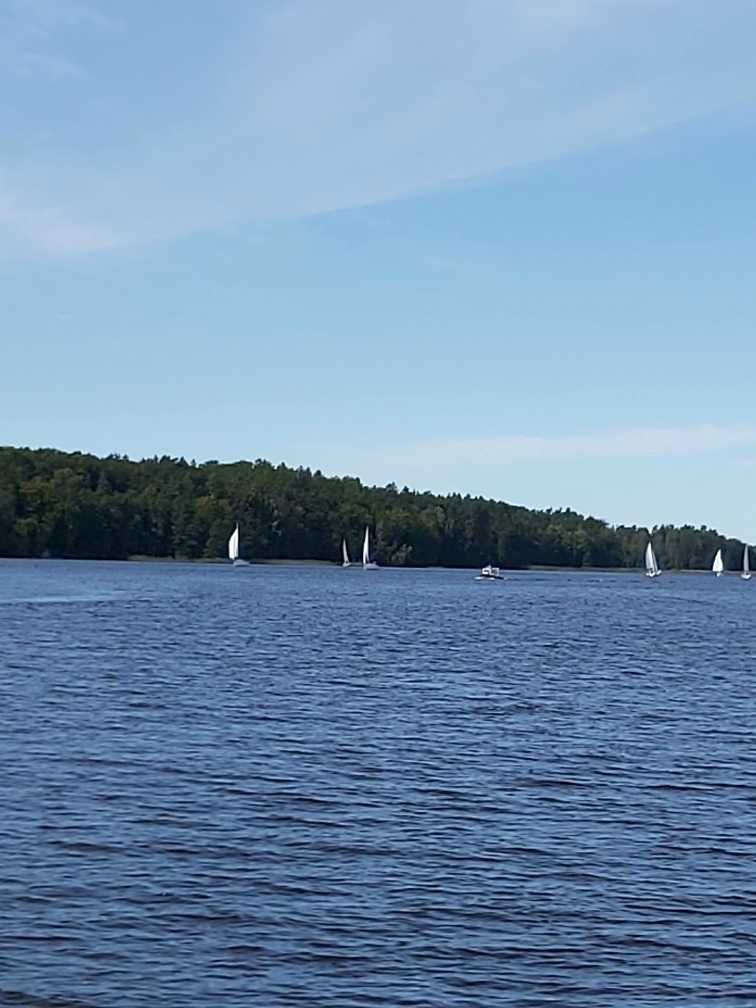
pixel 281 786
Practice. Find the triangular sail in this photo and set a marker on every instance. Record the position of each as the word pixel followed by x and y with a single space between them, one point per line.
pixel 345 554
pixel 652 567
pixel 366 547
pixel 718 565
pixel 233 545
pixel 746 561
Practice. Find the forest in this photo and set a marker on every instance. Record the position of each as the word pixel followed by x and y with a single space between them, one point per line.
pixel 73 505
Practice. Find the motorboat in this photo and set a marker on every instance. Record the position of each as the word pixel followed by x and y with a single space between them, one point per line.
pixel 489 573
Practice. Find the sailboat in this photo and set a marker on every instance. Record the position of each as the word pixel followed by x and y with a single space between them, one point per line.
pixel 345 561
pixel 652 567
pixel 367 563
pixel 233 549
pixel 718 565
pixel 746 575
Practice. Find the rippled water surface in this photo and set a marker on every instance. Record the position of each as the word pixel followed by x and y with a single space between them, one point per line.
pixel 305 786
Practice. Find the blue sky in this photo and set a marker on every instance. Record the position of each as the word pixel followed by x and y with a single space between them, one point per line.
pixel 503 247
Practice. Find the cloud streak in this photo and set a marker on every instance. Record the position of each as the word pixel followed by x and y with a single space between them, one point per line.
pixel 308 108
pixel 636 442
pixel 36 34
pixel 48 229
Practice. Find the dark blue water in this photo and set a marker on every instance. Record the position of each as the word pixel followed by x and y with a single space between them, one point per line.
pixel 315 787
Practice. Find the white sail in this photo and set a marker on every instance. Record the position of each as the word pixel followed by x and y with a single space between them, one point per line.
pixel 652 568
pixel 233 545
pixel 718 565
pixel 366 548
pixel 345 561
pixel 746 575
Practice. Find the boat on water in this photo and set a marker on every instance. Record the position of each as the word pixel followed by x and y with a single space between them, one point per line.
pixel 233 549
pixel 367 563
pixel 652 567
pixel 718 566
pixel 489 573
pixel 746 575
pixel 345 561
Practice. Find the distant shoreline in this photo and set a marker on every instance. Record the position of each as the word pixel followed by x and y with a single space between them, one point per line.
pixel 162 509
pixel 333 564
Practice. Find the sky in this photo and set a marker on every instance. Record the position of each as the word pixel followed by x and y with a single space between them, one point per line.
pixel 503 247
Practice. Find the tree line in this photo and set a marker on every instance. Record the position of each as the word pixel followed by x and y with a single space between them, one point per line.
pixel 73 505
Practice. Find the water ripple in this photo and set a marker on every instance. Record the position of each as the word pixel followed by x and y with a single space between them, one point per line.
pixel 297 787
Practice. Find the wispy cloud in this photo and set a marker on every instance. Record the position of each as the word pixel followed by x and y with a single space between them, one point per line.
pixel 480 464
pixel 36 35
pixel 635 442
pixel 307 108
pixel 49 230
pixel 550 470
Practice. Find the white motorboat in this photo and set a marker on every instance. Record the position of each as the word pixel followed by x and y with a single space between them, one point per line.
pixel 489 573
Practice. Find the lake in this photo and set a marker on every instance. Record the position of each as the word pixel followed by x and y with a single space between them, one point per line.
pixel 307 786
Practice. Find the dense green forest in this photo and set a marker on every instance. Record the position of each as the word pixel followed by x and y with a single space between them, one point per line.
pixel 61 504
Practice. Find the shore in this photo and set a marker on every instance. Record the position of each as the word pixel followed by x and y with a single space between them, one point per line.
pixel 282 562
